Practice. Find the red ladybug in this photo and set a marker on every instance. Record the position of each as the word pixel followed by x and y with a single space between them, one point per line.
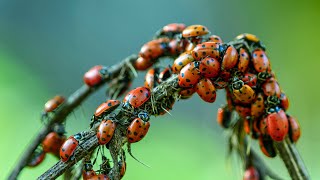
pixel 154 49
pixel 209 67
pixel 215 38
pixel 142 64
pixel 104 109
pixel 176 47
pixel 105 131
pixel 271 88
pixel 230 58
pixel 189 76
pixel 68 147
pixel 151 78
pixel 257 107
pixel 93 77
pixel 277 125
pixel 250 79
pixel 224 117
pixel 206 90
pixel 206 49
pixel 195 31
pixel 87 171
pixel 266 146
pixel 260 61
pixel 37 158
pixel 251 173
pixel 294 129
pixel 137 96
pixel 52 143
pixel 244 60
pixel 53 104
pixel 170 30
pixel 181 61
pixel 137 130
pixel 165 74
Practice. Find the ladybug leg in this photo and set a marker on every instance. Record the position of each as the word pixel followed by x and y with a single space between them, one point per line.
pixel 129 151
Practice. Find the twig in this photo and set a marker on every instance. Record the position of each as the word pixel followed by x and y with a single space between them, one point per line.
pixel 292 160
pixel 73 101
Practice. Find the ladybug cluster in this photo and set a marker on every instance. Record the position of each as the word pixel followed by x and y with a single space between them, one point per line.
pixel 201 63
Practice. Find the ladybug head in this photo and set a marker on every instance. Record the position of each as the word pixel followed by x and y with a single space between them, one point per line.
pixel 78 136
pixel 237 84
pixel 88 166
pixel 104 72
pixel 272 101
pixel 144 116
pixel 263 76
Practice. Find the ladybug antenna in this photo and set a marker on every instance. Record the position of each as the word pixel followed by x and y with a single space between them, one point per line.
pixel 129 151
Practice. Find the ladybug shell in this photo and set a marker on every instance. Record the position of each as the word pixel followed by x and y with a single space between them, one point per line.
pixel 243 111
pixel 284 101
pixel 186 93
pixel 137 96
pixel 176 47
pixel 206 49
pixel 165 74
pixel 151 78
pixel 52 143
pixel 88 174
pixel 263 126
pixel 153 49
pixel 189 76
pixel 106 107
pixel 260 61
pixel 37 158
pixel 251 173
pixel 244 60
pixel 68 148
pixel 93 77
pixel 194 31
pixel 224 117
pixel 105 131
pixel 209 67
pixel 173 28
pixel 230 58
pixel 248 37
pixel 245 94
pixel 215 38
pixel 100 177
pixel 266 146
pixel 181 61
pixel 250 79
pixel 142 64
pixel 294 129
pixel 277 125
pixel 271 88
pixel 137 130
pixel 53 103
pixel 257 107
pixel 206 90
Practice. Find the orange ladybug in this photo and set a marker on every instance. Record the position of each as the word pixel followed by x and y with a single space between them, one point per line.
pixel 206 49
pixel 137 130
pixel 206 90
pixel 244 60
pixel 242 92
pixel 260 61
pixel 189 76
pixel 257 107
pixel 181 61
pixel 105 131
pixel 195 31
pixel 230 58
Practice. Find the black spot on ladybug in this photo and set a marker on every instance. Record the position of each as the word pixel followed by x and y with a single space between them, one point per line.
pixel 108 135
pixel 204 53
pixel 188 80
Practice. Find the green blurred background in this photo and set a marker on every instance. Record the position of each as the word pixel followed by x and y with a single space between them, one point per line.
pixel 46 46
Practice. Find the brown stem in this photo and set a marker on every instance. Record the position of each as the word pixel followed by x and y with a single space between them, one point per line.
pixel 292 160
pixel 72 102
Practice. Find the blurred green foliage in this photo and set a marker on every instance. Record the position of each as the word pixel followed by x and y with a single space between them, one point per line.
pixel 46 46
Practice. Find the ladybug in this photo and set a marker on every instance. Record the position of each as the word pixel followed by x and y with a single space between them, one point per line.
pixel 266 146
pixel 224 117
pixel 176 47
pixel 189 75
pixel 260 61
pixel 206 49
pixel 105 131
pixel 195 31
pixel 165 74
pixel 215 38
pixel 170 30
pixel 104 109
pixel 137 97
pixel 181 61
pixel 244 60
pixel 88 171
pixel 151 78
pixel 250 79
pixel 52 143
pixel 206 90
pixel 243 111
pixel 257 107
pixel 251 173
pixel 277 125
pixel 230 58
pixel 94 76
pixel 242 92
pixel 100 177
pixel 209 67
pixel 294 129
pixel 284 101
pixel 69 146
pixel 142 63
pixel 271 88
pixel 36 158
pixel 137 130
pixel 186 93
pixel 53 104
pixel 248 37
pixel 154 49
